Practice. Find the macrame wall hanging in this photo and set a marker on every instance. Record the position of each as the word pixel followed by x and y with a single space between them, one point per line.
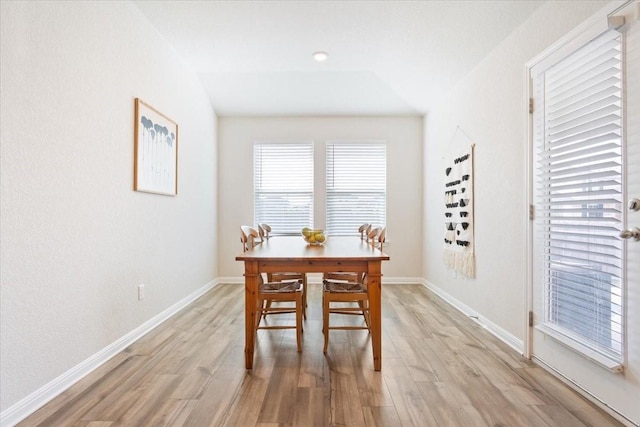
pixel 459 252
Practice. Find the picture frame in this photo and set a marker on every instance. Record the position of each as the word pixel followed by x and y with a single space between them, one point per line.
pixel 155 152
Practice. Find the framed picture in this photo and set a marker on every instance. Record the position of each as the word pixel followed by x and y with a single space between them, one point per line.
pixel 156 151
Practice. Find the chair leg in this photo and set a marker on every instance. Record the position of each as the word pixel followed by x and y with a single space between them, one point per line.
pixel 325 321
pixel 304 295
pixel 266 305
pixel 299 308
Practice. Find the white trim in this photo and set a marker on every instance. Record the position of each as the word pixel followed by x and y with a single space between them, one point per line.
pixel 577 33
pixel 34 401
pixel 580 34
pixel 402 280
pixel 583 392
pixel 583 350
pixel 238 280
pixel 530 210
pixel 503 335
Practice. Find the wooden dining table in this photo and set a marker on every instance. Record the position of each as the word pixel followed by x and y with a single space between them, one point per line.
pixel 293 254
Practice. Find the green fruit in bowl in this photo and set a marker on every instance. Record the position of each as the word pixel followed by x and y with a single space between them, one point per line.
pixel 313 236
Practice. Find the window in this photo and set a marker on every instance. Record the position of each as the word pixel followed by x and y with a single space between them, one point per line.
pixel 356 185
pixel 283 185
pixel 579 194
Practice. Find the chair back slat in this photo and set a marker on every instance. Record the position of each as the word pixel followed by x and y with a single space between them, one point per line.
pixel 248 237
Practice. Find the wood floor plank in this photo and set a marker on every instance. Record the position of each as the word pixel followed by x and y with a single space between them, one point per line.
pixel 314 371
pixel 181 411
pixel 312 407
pixel 445 406
pixel 346 409
pixel 279 403
pixel 381 416
pixel 82 423
pixel 220 392
pixel 410 404
pixel 245 410
pixel 147 409
pixel 439 368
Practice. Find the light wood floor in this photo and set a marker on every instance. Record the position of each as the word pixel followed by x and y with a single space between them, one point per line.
pixel 439 368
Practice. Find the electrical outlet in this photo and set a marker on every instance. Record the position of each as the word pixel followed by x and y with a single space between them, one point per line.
pixel 140 292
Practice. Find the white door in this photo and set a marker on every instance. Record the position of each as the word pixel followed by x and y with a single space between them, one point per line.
pixel 585 276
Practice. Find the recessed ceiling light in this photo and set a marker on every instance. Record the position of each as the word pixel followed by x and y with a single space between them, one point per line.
pixel 320 56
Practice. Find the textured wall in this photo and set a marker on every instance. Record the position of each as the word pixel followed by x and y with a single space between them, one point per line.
pixel 489 105
pixel 76 239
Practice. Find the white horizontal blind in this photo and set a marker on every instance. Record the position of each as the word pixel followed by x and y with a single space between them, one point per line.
pixel 356 185
pixel 283 185
pixel 578 133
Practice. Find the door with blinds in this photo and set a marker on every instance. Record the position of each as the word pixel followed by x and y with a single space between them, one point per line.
pixel 585 176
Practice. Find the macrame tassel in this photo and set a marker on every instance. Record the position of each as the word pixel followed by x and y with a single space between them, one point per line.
pixel 449 259
pixel 464 263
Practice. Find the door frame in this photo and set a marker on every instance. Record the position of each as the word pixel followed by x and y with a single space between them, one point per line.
pixel 575 37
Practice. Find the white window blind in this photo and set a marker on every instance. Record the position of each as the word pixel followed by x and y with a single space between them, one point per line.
pixel 283 185
pixel 356 185
pixel 578 137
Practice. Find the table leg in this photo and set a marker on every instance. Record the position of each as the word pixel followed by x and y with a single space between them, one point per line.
pixel 374 287
pixel 250 304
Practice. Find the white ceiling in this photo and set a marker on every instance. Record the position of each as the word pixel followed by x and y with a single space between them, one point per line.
pixel 385 57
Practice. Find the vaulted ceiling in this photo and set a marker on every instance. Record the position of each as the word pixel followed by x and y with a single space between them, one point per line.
pixel 385 57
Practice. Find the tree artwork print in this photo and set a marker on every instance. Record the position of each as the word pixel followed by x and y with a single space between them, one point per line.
pixel 156 151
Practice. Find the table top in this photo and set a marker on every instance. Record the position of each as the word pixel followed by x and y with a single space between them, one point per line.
pixel 294 248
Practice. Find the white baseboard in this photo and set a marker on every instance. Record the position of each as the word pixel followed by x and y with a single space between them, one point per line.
pixel 585 393
pixel 402 280
pixel 25 407
pixel 504 336
pixel 239 280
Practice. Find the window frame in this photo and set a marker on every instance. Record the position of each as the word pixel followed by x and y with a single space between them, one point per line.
pixel 345 199
pixel 575 41
pixel 299 161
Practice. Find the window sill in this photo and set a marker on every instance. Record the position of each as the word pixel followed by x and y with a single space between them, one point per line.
pixel 600 359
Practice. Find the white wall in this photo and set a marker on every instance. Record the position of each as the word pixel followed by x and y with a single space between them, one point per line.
pixel 490 106
pixel 76 239
pixel 404 172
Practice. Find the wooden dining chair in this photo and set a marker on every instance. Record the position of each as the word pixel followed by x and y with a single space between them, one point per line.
pixel 380 238
pixel 363 231
pixel 372 235
pixel 340 292
pixel 283 291
pixel 249 237
pixel 263 231
pixel 348 287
